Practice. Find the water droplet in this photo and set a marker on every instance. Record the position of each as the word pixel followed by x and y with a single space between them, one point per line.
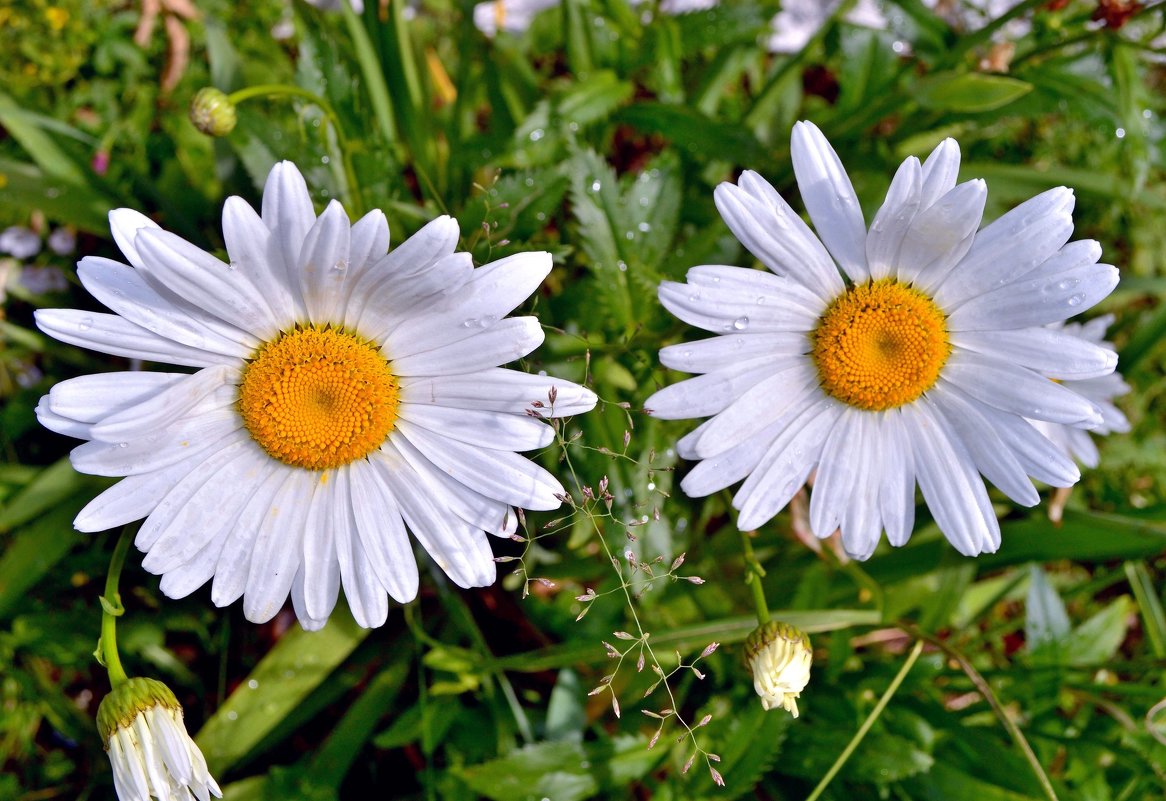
pixel 540 216
pixel 596 186
pixel 537 134
pixel 760 300
pixel 468 323
pixel 623 267
pixel 630 235
pixel 651 486
pixel 253 684
pixel 1067 283
pixel 324 159
pixel 529 181
pixel 232 715
pixel 85 323
pixel 232 265
pixel 741 323
pixel 1076 300
pixel 643 201
pixel 572 126
pixel 123 444
pixel 644 227
pixel 340 266
pixel 1120 133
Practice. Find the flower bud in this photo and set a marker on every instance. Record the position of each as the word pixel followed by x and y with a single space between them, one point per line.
pixel 778 655
pixel 140 723
pixel 212 112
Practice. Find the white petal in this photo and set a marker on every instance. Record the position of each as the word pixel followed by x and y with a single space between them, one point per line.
pixel 155 770
pixel 458 548
pixel 838 471
pixel 476 509
pixel 767 402
pixel 504 476
pixel 321 569
pixel 941 235
pixel 125 224
pixel 992 455
pixel 62 425
pixel 1018 390
pixel 730 466
pixel 127 292
pixel 861 519
pixel 277 552
pixel 500 390
pixel 134 497
pixel 382 530
pixel 208 283
pixel 786 307
pixel 258 256
pixel 108 333
pixel 324 264
pixel 830 200
pixel 399 296
pixel 1049 352
pixel 1036 301
pixel 503 342
pixel 411 259
pixel 897 488
pixel 711 393
pixel 951 487
pixel 940 171
pixel 186 578
pixel 786 465
pixel 135 766
pixel 173 743
pixel 766 225
pixel 300 606
pixel 235 560
pixel 288 213
pixel 890 224
pixel 172 403
pixel 494 430
pixel 492 292
pixel 92 398
pixel 370 242
pixel 1011 246
pixel 366 596
pixel 207 501
pixel 1039 457
pixel 712 354
pixel 154 452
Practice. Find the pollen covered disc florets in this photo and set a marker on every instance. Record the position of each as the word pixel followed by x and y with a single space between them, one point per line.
pixel 779 656
pixel 880 344
pixel 318 398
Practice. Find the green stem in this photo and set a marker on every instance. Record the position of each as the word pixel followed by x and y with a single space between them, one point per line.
pixel 374 76
pixel 753 573
pixel 111 610
pixel 985 690
pixel 870 720
pixel 355 199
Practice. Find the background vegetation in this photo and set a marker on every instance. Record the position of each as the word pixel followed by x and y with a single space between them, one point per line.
pixel 597 137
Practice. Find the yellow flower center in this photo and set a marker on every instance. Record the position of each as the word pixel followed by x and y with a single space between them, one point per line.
pixel 318 398
pixel 880 345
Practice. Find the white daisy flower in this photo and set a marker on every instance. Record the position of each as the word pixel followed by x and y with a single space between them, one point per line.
pixel 141 725
pixel 341 394
pixel 909 353
pixel 1101 390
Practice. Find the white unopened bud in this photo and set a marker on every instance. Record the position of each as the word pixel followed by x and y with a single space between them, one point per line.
pixel 779 655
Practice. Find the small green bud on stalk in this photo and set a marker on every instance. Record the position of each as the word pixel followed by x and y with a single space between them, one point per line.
pixel 212 112
pixel 778 656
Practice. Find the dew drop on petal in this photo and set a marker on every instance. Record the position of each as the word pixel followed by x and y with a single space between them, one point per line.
pixel 741 323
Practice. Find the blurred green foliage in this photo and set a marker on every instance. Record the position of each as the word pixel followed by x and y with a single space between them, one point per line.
pixel 599 138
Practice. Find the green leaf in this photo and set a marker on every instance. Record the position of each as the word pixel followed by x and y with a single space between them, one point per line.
pixel 1046 623
pixel 969 92
pixel 566 715
pixel 35 549
pixel 51 486
pixel 298 663
pixel 944 783
pixel 1097 639
pixel 25 186
pixel 748 747
pixel 702 137
pixel 564 771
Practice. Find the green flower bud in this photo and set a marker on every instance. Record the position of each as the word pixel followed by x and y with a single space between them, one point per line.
pixel 778 656
pixel 126 701
pixel 212 112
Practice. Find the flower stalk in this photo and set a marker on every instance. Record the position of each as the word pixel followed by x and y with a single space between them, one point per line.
pixel 112 609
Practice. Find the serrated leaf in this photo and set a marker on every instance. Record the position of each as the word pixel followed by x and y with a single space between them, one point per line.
pixel 970 92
